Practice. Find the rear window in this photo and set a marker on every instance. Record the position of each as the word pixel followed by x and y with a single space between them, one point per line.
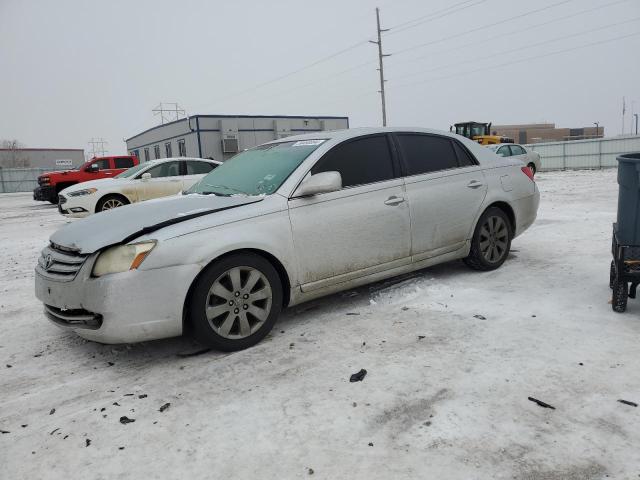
pixel 464 157
pixel 124 162
pixel 427 153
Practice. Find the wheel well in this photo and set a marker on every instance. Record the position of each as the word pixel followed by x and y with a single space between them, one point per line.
pixel 282 273
pixel 62 185
pixel 506 208
pixel 111 195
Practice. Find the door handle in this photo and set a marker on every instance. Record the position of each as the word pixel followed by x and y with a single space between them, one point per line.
pixel 393 200
pixel 474 184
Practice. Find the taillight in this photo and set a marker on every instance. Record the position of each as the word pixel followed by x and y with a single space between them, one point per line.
pixel 528 172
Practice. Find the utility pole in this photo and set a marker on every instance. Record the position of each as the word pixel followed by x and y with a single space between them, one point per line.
pixel 636 117
pixel 98 148
pixel 597 124
pixel 168 113
pixel 381 67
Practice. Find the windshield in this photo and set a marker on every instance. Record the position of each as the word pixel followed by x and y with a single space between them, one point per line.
pixel 82 165
pixel 130 172
pixel 259 171
pixel 477 130
pixel 494 147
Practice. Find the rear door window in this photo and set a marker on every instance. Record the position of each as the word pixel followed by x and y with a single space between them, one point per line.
pixel 503 151
pixel 517 150
pixel 123 162
pixel 199 168
pixel 166 169
pixel 427 153
pixel 359 162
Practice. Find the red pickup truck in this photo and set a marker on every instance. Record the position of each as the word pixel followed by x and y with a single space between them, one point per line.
pixel 51 183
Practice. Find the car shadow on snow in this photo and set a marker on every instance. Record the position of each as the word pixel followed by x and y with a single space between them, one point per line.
pixel 348 302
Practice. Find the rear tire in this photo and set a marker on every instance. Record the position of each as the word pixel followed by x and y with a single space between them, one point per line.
pixel 491 241
pixel 235 302
pixel 109 202
pixel 612 274
pixel 620 296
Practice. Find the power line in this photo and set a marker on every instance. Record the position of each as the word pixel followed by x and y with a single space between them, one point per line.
pixel 496 54
pixel 491 25
pixel 324 59
pixel 517 31
pixel 521 60
pixel 294 72
pixel 432 16
pixel 321 79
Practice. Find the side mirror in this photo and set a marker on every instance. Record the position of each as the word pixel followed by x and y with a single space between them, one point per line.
pixel 93 168
pixel 145 176
pixel 324 182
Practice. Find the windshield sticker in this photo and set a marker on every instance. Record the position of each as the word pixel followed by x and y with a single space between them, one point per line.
pixel 307 143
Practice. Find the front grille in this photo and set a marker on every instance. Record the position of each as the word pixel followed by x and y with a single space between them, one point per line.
pixel 59 263
pixel 61 199
pixel 77 317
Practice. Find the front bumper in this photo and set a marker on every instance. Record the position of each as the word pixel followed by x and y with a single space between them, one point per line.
pixel 69 208
pixel 127 307
pixel 44 193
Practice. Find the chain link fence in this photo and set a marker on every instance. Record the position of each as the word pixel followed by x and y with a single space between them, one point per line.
pixel 14 180
pixel 585 154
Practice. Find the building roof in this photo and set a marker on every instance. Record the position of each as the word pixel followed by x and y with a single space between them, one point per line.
pixel 42 149
pixel 297 117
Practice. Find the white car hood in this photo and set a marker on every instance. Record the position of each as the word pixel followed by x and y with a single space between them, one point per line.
pixel 100 182
pixel 122 225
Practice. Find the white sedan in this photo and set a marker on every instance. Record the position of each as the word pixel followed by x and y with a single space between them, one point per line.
pixel 279 224
pixel 530 158
pixel 157 178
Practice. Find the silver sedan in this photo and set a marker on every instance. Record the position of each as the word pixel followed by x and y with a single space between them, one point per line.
pixel 513 150
pixel 280 224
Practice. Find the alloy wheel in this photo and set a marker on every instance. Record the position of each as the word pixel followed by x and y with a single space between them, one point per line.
pixel 112 203
pixel 494 239
pixel 239 302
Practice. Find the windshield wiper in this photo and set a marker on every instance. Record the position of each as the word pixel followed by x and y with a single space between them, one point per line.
pixel 217 194
pixel 224 186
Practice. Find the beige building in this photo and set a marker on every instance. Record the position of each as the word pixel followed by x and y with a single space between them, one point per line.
pixel 545 132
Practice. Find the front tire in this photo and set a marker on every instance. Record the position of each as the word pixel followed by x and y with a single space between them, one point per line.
pixel 109 202
pixel 491 241
pixel 235 302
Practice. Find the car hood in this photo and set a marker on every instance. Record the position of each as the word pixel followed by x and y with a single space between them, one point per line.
pixel 122 225
pixel 100 182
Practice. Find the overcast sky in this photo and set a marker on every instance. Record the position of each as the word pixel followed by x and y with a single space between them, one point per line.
pixel 72 70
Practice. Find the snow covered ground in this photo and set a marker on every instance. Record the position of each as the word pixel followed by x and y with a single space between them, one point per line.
pixel 451 355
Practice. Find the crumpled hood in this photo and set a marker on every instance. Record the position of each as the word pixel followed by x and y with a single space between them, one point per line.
pixel 125 223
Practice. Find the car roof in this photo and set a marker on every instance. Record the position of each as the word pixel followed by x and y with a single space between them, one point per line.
pixel 345 134
pixel 501 144
pixel 164 160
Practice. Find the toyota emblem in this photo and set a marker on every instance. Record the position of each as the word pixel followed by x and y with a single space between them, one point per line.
pixel 48 261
